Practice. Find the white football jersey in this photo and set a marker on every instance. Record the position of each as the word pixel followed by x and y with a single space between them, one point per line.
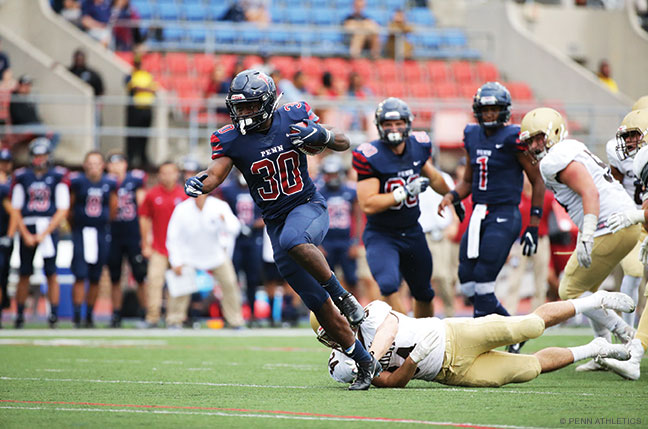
pixel 410 332
pixel 612 196
pixel 624 167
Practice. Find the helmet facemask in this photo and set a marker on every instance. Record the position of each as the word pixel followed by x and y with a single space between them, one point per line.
pixel 394 135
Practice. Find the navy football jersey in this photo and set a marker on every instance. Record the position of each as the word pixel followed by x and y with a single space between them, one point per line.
pixel 275 171
pixel 496 173
pixel 241 203
pixel 40 190
pixel 340 209
pixel 126 224
pixel 5 189
pixel 91 199
pixel 376 159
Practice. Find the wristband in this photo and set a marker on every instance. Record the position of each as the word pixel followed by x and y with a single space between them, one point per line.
pixel 536 211
pixel 455 196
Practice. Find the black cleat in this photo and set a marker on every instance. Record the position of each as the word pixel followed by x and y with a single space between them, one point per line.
pixel 89 324
pixel 52 321
pixel 19 323
pixel 115 322
pixel 515 348
pixel 366 372
pixel 350 308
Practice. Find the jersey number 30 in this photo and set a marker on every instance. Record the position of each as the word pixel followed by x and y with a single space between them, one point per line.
pixel 281 176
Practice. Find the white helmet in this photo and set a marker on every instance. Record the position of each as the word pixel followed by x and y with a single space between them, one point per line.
pixel 342 368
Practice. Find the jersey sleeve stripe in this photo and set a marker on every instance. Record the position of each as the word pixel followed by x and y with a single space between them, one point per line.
pixel 360 164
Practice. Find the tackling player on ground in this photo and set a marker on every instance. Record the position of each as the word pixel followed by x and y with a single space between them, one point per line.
pixel 269 147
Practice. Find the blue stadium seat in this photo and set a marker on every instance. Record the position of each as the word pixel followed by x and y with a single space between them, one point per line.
pixel 172 34
pixel 421 16
pixel 144 10
pixel 168 11
pixel 431 40
pixel 290 4
pixel 251 35
pixel 224 35
pixel 330 43
pixel 454 38
pixel 395 4
pixel 216 10
pixel 197 35
pixel 196 12
pixel 277 14
pixel 325 16
pixel 298 16
pixel 381 16
pixel 278 37
pixel 319 4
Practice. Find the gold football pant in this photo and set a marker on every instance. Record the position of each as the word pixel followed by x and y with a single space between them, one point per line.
pixel 469 357
pixel 608 251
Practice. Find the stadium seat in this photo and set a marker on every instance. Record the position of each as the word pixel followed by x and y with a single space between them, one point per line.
pixel 468 90
pixel 250 61
pixel 331 42
pixel 412 71
pixel 165 81
pixel 184 84
pixel 420 89
pixel 461 71
pixel 395 88
pixel 204 63
pixel 325 16
pixel 454 38
pixel 197 35
pixel 177 63
pixel 520 91
pixel 438 71
pixel 422 16
pixel 126 56
pixel 386 69
pixel 445 90
pixel 278 37
pixel 311 66
pixel 152 62
pixel 363 67
pixel 395 4
pixel 381 16
pixel 168 11
pixel 224 36
pixel 285 65
pixel 251 36
pixel 144 10
pixel 172 34
pixel 486 72
pixel 297 16
pixel 228 61
pixel 196 12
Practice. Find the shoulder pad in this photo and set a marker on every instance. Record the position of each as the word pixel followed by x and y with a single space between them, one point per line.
pixel 421 137
pixel 219 137
pixel 298 111
pixel 367 149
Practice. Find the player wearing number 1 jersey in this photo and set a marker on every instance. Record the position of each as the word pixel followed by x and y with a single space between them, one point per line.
pixel 392 171
pixel 495 181
pixel 269 146
pixel 94 204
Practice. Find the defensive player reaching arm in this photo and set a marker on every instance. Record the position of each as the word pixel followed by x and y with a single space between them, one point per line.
pixel 269 147
pixel 459 351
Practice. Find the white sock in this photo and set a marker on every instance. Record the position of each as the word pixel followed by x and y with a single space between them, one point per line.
pixel 585 302
pixel 630 286
pixel 582 352
pixel 600 330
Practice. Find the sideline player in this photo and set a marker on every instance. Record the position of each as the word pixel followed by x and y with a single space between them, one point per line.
pixel 41 200
pixel 269 146
pixel 7 226
pixel 125 232
pixel 634 133
pixel 494 180
pixel 93 199
pixel 583 185
pixel 392 172
pixel 458 351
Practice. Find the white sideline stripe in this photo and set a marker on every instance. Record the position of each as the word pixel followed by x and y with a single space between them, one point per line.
pixel 139 333
pixel 180 383
pixel 266 416
pixel 79 342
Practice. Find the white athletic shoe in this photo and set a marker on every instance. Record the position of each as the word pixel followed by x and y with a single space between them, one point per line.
pixel 590 366
pixel 607 350
pixel 615 301
pixel 624 332
pixel 629 369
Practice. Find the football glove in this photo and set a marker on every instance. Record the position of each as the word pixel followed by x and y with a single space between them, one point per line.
pixel 643 252
pixel 309 137
pixel 417 186
pixel 460 210
pixel 618 221
pixel 425 347
pixel 584 250
pixel 529 241
pixel 194 185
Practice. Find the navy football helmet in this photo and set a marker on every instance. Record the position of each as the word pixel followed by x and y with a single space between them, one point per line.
pixel 393 109
pixel 492 94
pixel 333 171
pixel 247 88
pixel 40 146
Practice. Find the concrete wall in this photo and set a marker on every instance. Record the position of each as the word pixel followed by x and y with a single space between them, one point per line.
pixel 593 35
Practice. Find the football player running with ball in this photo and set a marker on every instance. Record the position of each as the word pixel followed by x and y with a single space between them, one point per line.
pixel 392 172
pixel 269 147
pixel 495 180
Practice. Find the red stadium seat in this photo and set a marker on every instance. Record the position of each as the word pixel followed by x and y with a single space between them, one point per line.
pixel 461 71
pixel 339 67
pixel 152 62
pixel 184 84
pixel 438 71
pixel 413 71
pixel 251 61
pixel 363 67
pixel 204 63
pixel 420 89
pixel 520 91
pixel 446 90
pixel 126 56
pixel 486 72
pixel 311 66
pixel 285 65
pixel 395 88
pixel 386 69
pixel 165 81
pixel 178 63
pixel 228 61
pixel 468 90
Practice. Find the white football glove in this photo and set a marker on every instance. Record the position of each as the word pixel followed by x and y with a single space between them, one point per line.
pixel 585 240
pixel 643 252
pixel 425 346
pixel 417 186
pixel 620 220
pixel 399 194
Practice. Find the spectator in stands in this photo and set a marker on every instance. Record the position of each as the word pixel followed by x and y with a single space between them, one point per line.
pixel 5 69
pixel 23 111
pixel 218 82
pixel 199 237
pixel 256 11
pixel 234 13
pixel 93 199
pixel 605 76
pixel 7 226
pixel 363 31
pixel 71 10
pixel 95 19
pixel 294 90
pixel 641 7
pixel 397 45
pixel 328 88
pixel 141 87
pixel 85 73
pixel 126 37
pixel 155 213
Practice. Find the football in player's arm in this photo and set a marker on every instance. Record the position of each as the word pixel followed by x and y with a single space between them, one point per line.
pixel 269 145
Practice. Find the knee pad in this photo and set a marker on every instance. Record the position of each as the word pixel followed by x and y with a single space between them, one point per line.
pixel 291 237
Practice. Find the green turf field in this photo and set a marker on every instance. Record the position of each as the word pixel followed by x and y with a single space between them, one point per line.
pixel 224 379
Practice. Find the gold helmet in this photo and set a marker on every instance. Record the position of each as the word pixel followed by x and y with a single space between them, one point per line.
pixel 542 120
pixel 322 336
pixel 632 133
pixel 641 103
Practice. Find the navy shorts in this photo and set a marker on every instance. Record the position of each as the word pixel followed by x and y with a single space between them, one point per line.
pixel 337 254
pixel 396 255
pixel 499 230
pixel 27 256
pixel 307 223
pixel 120 247
pixel 80 268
